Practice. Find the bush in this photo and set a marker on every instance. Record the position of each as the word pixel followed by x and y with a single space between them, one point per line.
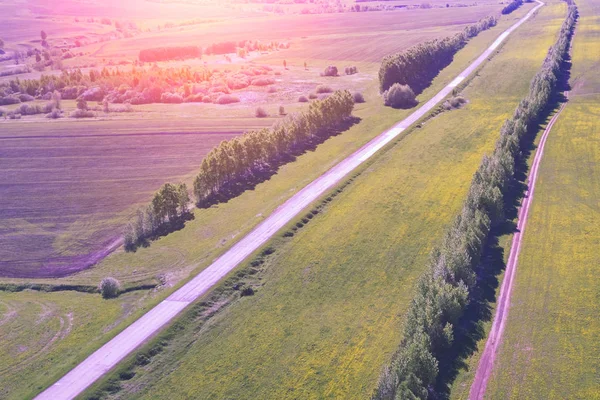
pixel 281 110
pixel 351 70
pixel 455 102
pixel 109 288
pixel 358 97
pixel 13 115
pixel 82 114
pixel 330 71
pixel 272 89
pixel 8 100
pixel 54 114
pixel 324 89
pixel 27 109
pixel 302 99
pixel 3 111
pixel 399 96
pixel 263 81
pixel 227 99
pixel 172 98
pixel 82 104
pixel 25 97
pixel 261 113
pixel 313 96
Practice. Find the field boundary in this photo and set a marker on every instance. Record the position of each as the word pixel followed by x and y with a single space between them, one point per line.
pixel 109 355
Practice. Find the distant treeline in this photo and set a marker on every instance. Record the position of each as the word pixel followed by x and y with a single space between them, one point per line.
pixel 168 209
pixel 418 65
pixel 444 290
pixel 512 6
pixel 170 53
pixel 238 159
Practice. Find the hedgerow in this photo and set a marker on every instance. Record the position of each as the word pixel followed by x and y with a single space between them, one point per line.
pixel 443 291
pixel 512 6
pixel 169 53
pixel 418 65
pixel 240 158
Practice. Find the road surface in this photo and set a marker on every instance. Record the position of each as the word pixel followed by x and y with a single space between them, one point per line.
pixel 105 358
pixel 486 363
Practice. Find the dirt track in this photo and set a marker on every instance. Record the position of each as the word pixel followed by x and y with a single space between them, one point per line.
pixel 486 363
pixel 107 357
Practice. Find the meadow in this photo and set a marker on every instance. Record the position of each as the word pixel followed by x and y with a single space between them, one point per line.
pixel 330 301
pixel 551 339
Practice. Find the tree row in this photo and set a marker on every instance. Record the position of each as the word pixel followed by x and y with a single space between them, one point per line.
pixel 169 206
pixel 444 291
pixel 239 159
pixel 418 65
pixel 512 6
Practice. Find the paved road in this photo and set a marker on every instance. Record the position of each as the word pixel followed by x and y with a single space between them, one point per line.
pixel 486 363
pixel 105 358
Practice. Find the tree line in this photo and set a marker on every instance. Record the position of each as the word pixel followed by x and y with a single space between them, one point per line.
pixel 169 207
pixel 239 159
pixel 169 53
pixel 443 291
pixel 512 6
pixel 419 64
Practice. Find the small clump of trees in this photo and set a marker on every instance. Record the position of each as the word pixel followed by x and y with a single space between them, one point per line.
pixel 331 70
pixel 512 6
pixel 240 159
pixel 418 65
pixel 399 96
pixel 109 288
pixel 444 290
pixel 170 53
pixel 168 209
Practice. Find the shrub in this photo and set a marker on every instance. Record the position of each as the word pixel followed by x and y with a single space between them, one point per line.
pixel 358 97
pixel 27 109
pixel 454 102
pixel 82 104
pixel 272 89
pixel 206 99
pixel 8 100
pixel 172 98
pixel 281 110
pixel 313 96
pixel 261 113
pixel 13 115
pixel 109 288
pixel 351 70
pixel 399 96
pixel 302 99
pixel 324 89
pixel 3 111
pixel 82 114
pixel 227 99
pixel 25 97
pixel 54 114
pixel 263 81
pixel 330 71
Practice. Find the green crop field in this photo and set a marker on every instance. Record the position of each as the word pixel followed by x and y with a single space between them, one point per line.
pixel 552 338
pixel 329 311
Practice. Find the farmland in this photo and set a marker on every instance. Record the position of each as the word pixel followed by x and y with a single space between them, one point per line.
pixel 328 313
pixel 551 339
pixel 52 242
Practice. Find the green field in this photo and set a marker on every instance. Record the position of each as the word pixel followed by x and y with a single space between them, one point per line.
pixel 329 311
pixel 44 334
pixel 552 337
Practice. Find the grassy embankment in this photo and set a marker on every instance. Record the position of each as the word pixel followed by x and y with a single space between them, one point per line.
pixel 551 342
pixel 215 229
pixel 330 309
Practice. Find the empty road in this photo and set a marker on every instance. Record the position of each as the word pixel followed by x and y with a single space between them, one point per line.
pixel 109 355
pixel 486 363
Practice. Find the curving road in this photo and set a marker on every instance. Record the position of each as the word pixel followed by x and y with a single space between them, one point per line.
pixel 486 363
pixel 105 358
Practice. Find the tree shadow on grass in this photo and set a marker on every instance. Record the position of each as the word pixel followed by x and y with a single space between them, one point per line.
pixel 470 328
pixel 258 176
pixel 165 229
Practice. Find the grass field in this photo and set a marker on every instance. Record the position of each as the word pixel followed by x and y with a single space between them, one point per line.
pixel 552 335
pixel 44 334
pixel 328 314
